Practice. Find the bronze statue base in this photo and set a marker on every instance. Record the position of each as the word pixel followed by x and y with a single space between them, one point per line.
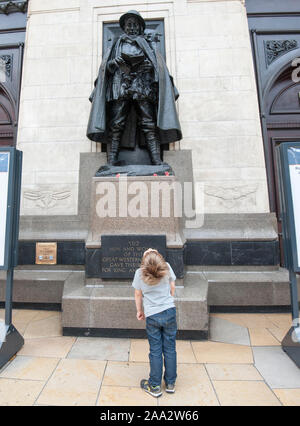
pixel 134 170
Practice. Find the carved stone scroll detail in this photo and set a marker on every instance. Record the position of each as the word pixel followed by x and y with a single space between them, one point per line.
pixel 6 65
pixel 276 48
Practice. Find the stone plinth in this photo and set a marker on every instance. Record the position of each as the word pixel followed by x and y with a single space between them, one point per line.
pixel 134 205
pixel 109 310
pixel 133 213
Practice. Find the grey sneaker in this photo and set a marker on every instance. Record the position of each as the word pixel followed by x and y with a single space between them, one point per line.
pixel 170 388
pixel 153 390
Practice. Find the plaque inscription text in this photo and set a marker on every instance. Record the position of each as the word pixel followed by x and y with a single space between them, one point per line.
pixel 122 254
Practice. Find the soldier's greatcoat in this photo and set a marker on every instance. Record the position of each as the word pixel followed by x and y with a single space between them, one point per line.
pixel 168 127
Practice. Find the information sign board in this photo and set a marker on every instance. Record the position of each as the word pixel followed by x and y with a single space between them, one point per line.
pixel 4 219
pixel 289 181
pixel 10 185
pixel 294 173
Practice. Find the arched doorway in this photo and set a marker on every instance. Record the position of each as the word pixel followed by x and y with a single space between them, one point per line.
pixel 7 119
pixel 275 40
pixel 282 124
pixel 282 118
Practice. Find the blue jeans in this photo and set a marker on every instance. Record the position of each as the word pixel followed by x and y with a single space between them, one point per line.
pixel 161 330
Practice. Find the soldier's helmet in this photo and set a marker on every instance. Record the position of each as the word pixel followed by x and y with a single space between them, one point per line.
pixel 129 14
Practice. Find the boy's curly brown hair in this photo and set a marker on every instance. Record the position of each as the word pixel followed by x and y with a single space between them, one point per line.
pixel 153 267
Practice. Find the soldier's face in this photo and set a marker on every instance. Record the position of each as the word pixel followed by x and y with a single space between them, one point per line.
pixel 132 26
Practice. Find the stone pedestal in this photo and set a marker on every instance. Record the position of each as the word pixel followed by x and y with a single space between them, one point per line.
pixel 134 205
pixel 95 309
pixel 129 215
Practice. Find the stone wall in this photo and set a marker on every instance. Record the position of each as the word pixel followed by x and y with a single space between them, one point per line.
pixel 219 106
pixel 209 55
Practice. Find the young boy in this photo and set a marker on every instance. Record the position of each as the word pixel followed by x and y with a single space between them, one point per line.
pixel 154 284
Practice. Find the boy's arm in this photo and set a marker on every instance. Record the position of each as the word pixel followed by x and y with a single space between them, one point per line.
pixel 172 285
pixel 138 296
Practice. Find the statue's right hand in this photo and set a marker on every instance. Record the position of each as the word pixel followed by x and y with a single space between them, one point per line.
pixel 116 63
pixel 119 61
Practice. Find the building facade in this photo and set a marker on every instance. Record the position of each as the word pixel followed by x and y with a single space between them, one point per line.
pixel 209 55
pixel 232 64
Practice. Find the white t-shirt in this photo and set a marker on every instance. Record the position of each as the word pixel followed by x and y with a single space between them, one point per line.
pixel 156 298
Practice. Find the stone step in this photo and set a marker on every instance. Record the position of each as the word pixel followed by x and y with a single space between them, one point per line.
pixel 232 268
pixel 91 306
pixel 248 287
pixel 37 284
pixel 110 310
pixel 123 283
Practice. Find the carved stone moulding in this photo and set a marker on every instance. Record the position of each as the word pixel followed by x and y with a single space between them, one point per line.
pixel 13 6
pixel 6 65
pixel 276 48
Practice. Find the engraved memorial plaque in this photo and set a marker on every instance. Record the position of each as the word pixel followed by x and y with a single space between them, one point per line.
pixel 46 254
pixel 122 254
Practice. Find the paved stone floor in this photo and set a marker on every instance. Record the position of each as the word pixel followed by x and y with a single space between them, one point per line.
pixel 241 364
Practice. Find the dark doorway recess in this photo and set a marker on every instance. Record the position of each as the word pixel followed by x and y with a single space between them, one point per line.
pixel 275 38
pixel 13 19
pixel 7 118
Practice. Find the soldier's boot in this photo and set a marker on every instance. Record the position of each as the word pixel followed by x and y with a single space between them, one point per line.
pixel 113 152
pixel 154 149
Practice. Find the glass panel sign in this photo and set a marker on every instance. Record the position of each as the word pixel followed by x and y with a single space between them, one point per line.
pixel 294 171
pixel 4 175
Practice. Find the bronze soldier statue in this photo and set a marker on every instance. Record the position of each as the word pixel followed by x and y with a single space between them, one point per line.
pixel 134 75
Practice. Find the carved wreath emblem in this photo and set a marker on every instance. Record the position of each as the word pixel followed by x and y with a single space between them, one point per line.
pixel 230 196
pixel 46 199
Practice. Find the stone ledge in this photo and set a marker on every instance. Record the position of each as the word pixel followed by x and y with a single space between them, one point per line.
pixel 37 284
pixel 28 290
pixel 235 227
pixel 41 228
pixel 266 288
pixel 279 276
